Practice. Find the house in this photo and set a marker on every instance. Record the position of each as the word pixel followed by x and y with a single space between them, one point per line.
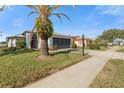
pixel 11 40
pixel 79 42
pixel 118 41
pixel 32 40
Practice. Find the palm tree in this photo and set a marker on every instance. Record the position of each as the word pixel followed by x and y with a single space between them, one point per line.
pixel 43 23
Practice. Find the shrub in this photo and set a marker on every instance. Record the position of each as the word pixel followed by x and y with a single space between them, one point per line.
pixel 104 44
pixel 74 45
pixel 9 49
pixel 20 44
pixel 94 46
pixel 4 49
pixel 12 48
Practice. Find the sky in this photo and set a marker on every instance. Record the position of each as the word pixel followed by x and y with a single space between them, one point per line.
pixel 88 20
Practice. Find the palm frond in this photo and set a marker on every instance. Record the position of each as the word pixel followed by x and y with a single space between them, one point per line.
pixel 52 8
pixel 32 13
pixel 59 16
pixel 34 7
pixel 64 16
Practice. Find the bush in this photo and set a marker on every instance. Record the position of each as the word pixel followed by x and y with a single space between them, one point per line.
pixel 94 46
pixel 74 45
pixel 9 49
pixel 20 44
pixel 4 49
pixel 104 44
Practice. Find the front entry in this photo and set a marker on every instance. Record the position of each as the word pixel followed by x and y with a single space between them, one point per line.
pixel 34 41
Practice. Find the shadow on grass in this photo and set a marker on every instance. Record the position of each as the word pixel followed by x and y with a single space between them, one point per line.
pixel 59 52
pixel 52 53
pixel 17 52
pixel 67 51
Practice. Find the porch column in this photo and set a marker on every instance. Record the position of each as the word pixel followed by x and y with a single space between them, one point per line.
pixel 28 40
pixel 39 43
pixel 50 42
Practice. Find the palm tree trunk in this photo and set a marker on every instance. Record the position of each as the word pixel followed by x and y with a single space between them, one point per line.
pixel 44 47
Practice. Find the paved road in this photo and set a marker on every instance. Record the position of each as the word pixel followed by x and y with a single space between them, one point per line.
pixel 81 74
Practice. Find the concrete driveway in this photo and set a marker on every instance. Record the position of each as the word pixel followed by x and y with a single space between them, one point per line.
pixel 81 74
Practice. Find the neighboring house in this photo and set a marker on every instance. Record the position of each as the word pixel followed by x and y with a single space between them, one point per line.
pixel 78 41
pixel 118 42
pixel 11 41
pixel 33 41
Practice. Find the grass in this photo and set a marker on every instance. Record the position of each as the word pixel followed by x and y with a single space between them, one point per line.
pixel 121 49
pixel 0 50
pixel 17 69
pixel 112 75
pixel 103 48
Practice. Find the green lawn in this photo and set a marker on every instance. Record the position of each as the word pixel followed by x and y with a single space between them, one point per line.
pixel 18 69
pixel 121 49
pixel 103 48
pixel 112 76
pixel 0 50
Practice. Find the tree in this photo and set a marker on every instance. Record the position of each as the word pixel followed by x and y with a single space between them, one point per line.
pixel 43 23
pixel 112 34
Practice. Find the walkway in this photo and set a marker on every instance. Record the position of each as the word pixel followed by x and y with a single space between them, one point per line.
pixel 81 74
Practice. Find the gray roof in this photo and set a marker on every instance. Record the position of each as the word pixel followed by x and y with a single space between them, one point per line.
pixel 17 36
pixel 22 35
pixel 59 34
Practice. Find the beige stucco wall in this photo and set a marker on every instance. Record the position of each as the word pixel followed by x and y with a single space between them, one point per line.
pixel 28 40
pixel 50 42
pixel 9 42
pixel 12 41
pixel 79 43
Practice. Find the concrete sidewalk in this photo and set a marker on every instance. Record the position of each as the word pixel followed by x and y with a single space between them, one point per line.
pixel 79 75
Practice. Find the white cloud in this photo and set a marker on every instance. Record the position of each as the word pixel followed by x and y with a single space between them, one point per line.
pixel 17 22
pixel 111 10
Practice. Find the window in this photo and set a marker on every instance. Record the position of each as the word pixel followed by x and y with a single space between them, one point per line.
pixel 61 42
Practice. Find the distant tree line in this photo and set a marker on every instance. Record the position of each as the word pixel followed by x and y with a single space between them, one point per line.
pixel 112 34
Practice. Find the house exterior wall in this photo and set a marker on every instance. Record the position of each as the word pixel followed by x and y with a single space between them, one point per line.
pixel 39 43
pixel 51 42
pixel 12 41
pixel 9 42
pixel 35 41
pixel 28 40
pixel 79 42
